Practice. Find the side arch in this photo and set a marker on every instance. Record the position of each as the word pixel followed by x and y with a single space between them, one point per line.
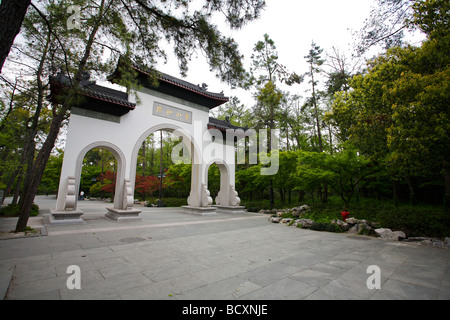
pixel 120 178
pixel 225 196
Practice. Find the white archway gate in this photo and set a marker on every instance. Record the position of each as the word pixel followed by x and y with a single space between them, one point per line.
pixel 113 120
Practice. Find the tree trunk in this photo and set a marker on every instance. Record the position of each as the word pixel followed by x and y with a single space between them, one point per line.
pixel 447 193
pixel 35 175
pixel 394 192
pixel 282 195
pixel 412 191
pixel 301 196
pixel 446 188
pixel 12 13
pixel 316 112
pixel 271 195
pixel 325 193
pixel 17 191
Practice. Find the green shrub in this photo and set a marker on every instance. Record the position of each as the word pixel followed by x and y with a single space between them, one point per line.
pixel 168 202
pixel 420 220
pixel 12 210
pixel 287 215
pixel 323 226
pixel 417 221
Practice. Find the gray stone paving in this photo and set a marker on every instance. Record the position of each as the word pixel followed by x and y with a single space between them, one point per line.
pixel 171 255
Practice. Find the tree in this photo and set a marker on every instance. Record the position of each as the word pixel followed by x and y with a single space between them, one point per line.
pixel 250 181
pixel 431 17
pixel 398 112
pixel 315 61
pixel 268 96
pixel 386 25
pixel 298 122
pixel 283 180
pixel 235 112
pixel 146 185
pixel 342 171
pixel 341 69
pixel 12 13
pixel 127 28
pixel 52 174
pixel 179 178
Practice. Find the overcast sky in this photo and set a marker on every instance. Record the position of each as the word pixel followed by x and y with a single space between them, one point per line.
pixel 293 25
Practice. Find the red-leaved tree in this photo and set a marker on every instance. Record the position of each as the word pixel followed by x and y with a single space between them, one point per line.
pixel 146 185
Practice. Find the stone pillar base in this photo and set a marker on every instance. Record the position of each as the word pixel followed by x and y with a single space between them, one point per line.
pixel 65 217
pixel 119 215
pixel 201 211
pixel 231 209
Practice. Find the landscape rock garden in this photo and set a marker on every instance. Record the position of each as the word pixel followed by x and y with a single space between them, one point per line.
pixel 294 217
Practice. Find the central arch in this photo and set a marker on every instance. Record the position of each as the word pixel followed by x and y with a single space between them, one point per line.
pixel 187 140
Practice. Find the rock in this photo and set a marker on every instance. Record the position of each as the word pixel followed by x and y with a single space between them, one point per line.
pixel 286 220
pixel 438 243
pixel 352 221
pixel 361 228
pixel 343 225
pixel 275 219
pixel 304 208
pixel 430 242
pixel 298 211
pixel 388 234
pixel 304 223
pixel 399 235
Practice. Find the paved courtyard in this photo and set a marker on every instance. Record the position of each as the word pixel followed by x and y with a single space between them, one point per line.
pixel 171 255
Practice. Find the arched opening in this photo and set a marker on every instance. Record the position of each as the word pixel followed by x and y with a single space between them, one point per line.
pixel 218 182
pixel 214 178
pixel 98 175
pixel 163 167
pixel 111 181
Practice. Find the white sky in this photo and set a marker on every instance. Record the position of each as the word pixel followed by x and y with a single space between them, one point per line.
pixel 293 25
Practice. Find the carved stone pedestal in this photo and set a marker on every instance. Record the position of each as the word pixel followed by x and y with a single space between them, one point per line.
pixel 69 214
pixel 126 213
pixel 201 211
pixel 123 215
pixel 65 217
pixel 231 209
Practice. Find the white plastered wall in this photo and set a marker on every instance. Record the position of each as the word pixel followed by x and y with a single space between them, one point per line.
pixel 124 140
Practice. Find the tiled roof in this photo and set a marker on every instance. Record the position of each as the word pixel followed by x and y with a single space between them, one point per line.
pixel 215 99
pixel 90 89
pixel 223 126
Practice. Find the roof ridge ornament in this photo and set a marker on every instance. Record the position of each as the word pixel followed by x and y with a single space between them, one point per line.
pixel 203 87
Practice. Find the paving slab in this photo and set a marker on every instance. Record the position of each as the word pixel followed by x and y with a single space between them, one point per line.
pixel 171 255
